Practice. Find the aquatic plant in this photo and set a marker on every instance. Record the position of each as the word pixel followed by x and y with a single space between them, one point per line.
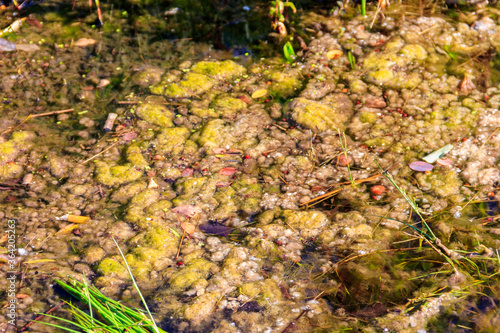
pixel 116 317
pixel 288 52
pixel 277 13
pixel 352 60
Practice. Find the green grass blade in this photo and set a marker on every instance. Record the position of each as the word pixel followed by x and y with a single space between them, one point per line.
pixel 137 288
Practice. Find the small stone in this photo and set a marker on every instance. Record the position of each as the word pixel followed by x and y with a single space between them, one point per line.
pixel 377 189
pixel 343 160
pixel 421 166
pixel 378 103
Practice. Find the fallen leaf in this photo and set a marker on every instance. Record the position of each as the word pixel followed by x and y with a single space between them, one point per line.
pixel 187 210
pixel 129 136
pixel 216 229
pixel 223 184
pixel 152 184
pixel 234 151
pixel 259 93
pixel 6 46
pixel 103 83
pixel 334 54
pixel 187 172
pixel 444 161
pixel 28 47
pixel 228 171
pixel 421 166
pixel 34 22
pixel 219 151
pixel 77 218
pixel 188 227
pixel 83 42
pixel 67 229
pixel 22 296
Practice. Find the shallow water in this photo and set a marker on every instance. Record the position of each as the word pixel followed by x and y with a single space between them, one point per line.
pixel 245 190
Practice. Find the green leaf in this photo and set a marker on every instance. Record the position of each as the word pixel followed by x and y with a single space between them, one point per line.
pixel 289 53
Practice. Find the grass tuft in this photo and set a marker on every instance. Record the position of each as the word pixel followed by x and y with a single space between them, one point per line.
pixel 112 316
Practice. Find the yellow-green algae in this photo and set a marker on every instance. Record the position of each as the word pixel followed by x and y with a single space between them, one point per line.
pixel 307 222
pixel 192 84
pixel 10 150
pixel 134 156
pixel 195 270
pixel 156 114
pixel 265 292
pixel 150 245
pixel 318 116
pixel 440 183
pixel 172 141
pixel 220 70
pixel 109 175
pixel 390 67
pixel 285 85
pixel 213 134
pixel 112 268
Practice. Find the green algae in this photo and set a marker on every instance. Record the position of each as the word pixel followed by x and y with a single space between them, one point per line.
pixel 156 114
pixel 284 85
pixel 212 134
pixel 135 157
pixel 112 268
pixel 172 141
pixel 113 175
pixel 307 222
pixel 192 84
pixel 220 70
pixel 194 271
pixel 10 150
pixel 440 183
pixel 318 116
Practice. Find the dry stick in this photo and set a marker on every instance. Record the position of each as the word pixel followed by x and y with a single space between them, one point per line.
pixel 105 150
pixel 489 137
pixel 50 113
pixel 180 244
pixel 128 102
pixel 25 327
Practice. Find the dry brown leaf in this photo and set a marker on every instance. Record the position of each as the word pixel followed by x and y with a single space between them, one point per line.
pixel 67 229
pixel 83 42
pixel 187 210
pixel 334 54
pixel 259 93
pixel 188 227
pixel 77 219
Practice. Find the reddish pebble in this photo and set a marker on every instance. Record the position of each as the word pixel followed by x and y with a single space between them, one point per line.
pixel 343 160
pixel 129 136
pixel 377 189
pixel 219 151
pixel 421 166
pixel 228 171
pixel 444 161
pixel 187 172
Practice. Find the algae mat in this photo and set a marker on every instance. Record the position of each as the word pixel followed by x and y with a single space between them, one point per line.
pixel 247 191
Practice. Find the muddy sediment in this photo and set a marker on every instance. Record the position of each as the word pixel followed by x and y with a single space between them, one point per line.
pixel 238 152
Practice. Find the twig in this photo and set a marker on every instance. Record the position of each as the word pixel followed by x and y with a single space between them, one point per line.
pixel 52 309
pixel 128 102
pixel 180 243
pixel 50 113
pixel 105 150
